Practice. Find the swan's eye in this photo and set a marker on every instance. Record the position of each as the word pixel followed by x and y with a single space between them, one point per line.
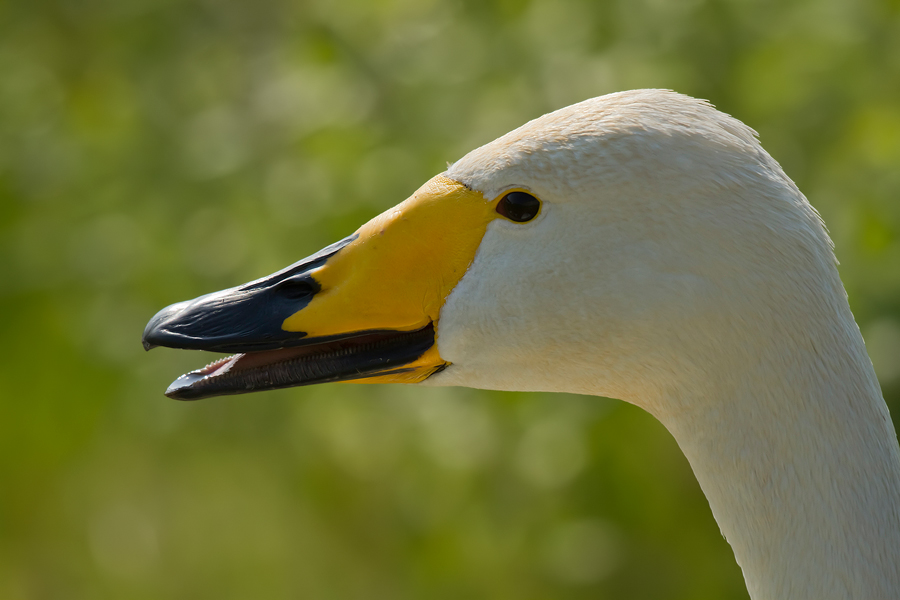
pixel 519 206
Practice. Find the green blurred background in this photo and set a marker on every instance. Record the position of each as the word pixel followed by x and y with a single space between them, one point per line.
pixel 155 150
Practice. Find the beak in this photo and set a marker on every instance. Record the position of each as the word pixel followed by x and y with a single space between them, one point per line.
pixel 364 309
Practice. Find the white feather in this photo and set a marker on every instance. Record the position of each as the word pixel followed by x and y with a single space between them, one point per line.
pixel 675 266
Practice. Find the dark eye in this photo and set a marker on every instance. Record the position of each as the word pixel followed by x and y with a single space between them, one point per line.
pixel 519 206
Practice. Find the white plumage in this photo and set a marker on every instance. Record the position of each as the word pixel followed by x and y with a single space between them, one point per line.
pixel 675 266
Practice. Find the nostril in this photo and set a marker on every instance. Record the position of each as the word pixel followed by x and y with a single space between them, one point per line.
pixel 297 289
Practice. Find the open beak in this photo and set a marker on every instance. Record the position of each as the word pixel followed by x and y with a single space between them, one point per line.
pixel 364 309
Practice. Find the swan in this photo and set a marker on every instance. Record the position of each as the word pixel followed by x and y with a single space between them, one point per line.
pixel 641 246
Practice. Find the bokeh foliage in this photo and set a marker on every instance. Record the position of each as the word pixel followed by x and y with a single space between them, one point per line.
pixel 155 150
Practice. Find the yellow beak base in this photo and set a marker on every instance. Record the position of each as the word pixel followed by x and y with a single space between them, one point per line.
pixel 399 270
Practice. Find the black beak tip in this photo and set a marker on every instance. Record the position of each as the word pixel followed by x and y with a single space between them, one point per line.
pixel 148 339
pixel 155 333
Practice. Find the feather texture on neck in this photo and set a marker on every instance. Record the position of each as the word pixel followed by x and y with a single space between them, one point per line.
pixel 675 266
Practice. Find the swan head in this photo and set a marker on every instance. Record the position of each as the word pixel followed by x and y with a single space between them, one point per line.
pixel 668 243
pixel 641 246
pixel 660 233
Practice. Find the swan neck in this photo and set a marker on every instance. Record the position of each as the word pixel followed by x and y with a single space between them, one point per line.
pixel 799 460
